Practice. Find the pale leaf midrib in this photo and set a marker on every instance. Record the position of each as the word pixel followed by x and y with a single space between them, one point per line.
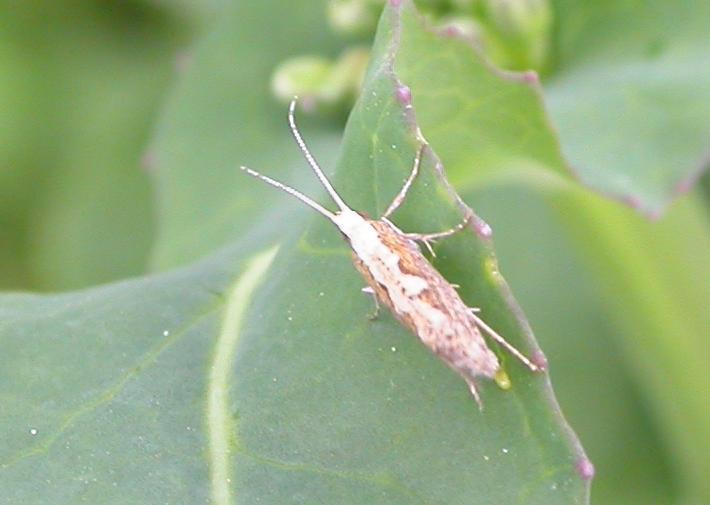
pixel 219 425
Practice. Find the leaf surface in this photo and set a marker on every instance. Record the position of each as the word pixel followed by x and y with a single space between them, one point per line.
pixel 630 96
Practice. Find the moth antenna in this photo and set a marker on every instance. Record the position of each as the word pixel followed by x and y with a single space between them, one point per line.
pixel 288 189
pixel 311 160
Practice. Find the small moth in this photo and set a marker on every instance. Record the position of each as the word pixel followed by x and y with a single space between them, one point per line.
pixel 401 278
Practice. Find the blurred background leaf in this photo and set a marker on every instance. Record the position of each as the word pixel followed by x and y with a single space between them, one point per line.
pixel 81 83
pixel 630 96
pixel 223 111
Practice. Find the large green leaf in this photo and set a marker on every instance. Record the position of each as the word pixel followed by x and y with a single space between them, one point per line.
pixel 79 89
pixel 630 96
pixel 103 391
pixel 249 377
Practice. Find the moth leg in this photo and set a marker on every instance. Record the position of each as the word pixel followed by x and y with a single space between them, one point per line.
pixel 495 336
pixel 368 290
pixel 428 238
pixel 427 244
pixel 407 184
pixel 440 234
pixel 474 392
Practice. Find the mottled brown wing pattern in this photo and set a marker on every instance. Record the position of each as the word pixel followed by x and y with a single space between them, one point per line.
pixel 455 337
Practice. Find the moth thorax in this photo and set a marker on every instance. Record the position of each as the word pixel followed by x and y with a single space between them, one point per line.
pixel 352 224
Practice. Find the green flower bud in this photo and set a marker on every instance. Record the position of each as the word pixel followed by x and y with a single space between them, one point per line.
pixel 319 81
pixel 524 27
pixel 519 17
pixel 345 79
pixel 354 16
pixel 302 76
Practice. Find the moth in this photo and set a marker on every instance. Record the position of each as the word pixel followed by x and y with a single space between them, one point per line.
pixel 401 278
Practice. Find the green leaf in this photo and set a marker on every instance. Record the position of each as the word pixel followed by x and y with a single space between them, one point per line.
pixel 488 126
pixel 655 284
pixel 108 386
pixel 248 377
pixel 630 96
pixel 628 99
pixel 75 207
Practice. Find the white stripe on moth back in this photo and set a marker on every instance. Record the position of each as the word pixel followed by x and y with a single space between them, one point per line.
pixel 367 245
